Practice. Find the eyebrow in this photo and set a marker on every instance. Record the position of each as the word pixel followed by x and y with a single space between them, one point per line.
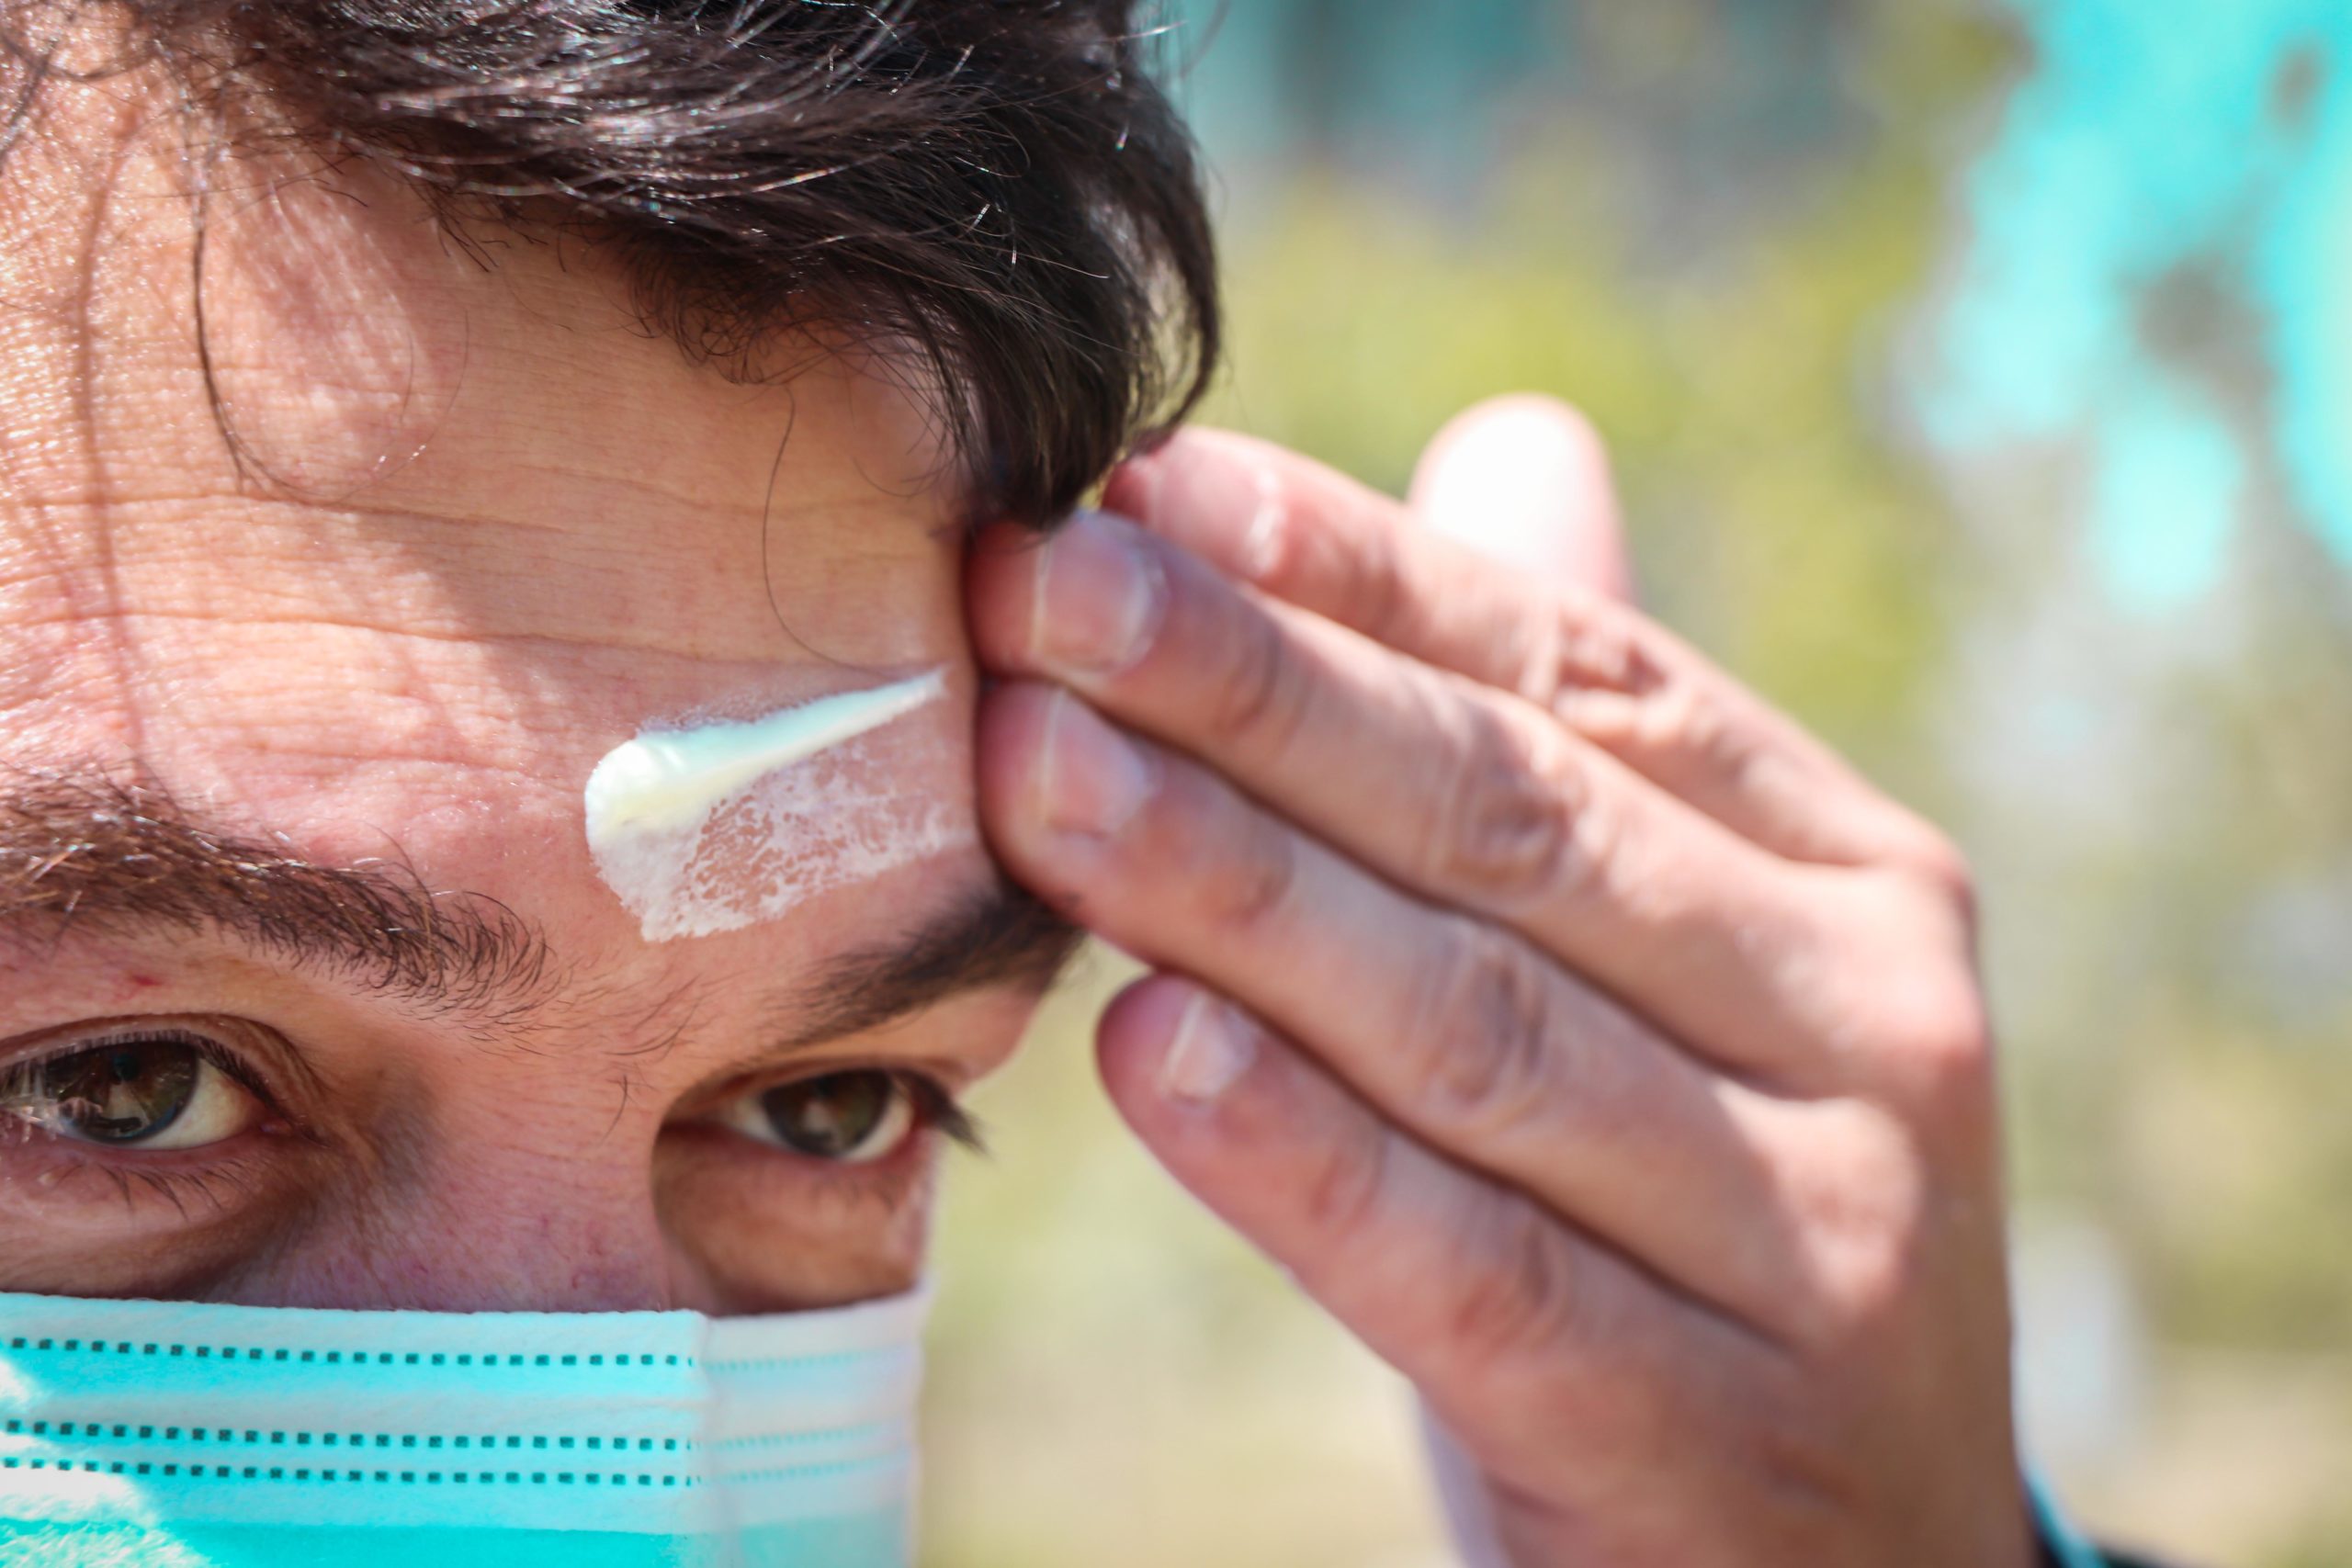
pixel 997 935
pixel 89 849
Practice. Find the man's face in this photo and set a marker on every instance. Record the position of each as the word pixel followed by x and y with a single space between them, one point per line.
pixel 294 740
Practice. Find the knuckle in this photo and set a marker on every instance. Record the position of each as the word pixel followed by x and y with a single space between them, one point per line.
pixel 1589 641
pixel 1261 699
pixel 1878 1276
pixel 1484 1026
pixel 1344 1190
pixel 1250 888
pixel 1691 718
pixel 1711 732
pixel 1936 1030
pixel 1911 991
pixel 1515 1296
pixel 1861 1193
pixel 1516 824
pixel 1374 585
pixel 1951 1051
pixel 1867 1283
pixel 1930 857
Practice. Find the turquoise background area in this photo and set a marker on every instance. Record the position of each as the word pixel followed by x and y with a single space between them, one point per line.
pixel 2202 147
pixel 2152 161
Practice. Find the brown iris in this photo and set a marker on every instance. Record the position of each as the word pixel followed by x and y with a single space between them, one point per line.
pixel 835 1116
pixel 120 1092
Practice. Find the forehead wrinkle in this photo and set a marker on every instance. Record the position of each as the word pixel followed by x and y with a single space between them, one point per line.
pixel 88 849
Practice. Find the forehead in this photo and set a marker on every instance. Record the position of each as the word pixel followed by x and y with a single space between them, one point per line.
pixel 381 538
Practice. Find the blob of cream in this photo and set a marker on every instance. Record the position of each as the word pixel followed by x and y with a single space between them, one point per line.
pixel 711 829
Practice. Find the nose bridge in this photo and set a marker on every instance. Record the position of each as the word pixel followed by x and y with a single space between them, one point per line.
pixel 535 1195
pixel 515 1203
pixel 532 1232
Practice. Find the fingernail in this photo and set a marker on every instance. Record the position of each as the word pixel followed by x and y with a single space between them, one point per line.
pixel 1094 779
pixel 1212 1047
pixel 1098 597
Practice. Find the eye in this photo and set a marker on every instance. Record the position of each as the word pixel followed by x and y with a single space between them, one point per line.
pixel 850 1118
pixel 149 1092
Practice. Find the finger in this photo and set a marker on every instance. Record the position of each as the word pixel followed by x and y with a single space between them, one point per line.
pixel 1315 539
pixel 1455 1029
pixel 1318 539
pixel 1466 796
pixel 1506 1318
pixel 1523 482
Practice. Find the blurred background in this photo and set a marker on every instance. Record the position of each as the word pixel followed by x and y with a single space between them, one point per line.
pixel 1979 374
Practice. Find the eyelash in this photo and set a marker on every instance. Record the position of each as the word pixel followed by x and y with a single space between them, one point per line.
pixel 19 1073
pixel 937 1111
pixel 177 1187
pixel 20 1078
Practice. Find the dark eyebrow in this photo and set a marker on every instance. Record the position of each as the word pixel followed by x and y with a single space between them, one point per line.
pixel 1000 934
pixel 90 849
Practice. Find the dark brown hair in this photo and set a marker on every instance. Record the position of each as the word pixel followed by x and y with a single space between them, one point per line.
pixel 997 189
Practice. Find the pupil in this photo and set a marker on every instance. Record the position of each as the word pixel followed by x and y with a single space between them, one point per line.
pixel 829 1116
pixel 119 1094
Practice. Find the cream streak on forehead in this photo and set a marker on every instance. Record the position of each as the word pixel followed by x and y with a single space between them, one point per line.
pixel 711 829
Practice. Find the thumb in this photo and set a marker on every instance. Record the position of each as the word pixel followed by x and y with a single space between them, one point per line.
pixel 1524 481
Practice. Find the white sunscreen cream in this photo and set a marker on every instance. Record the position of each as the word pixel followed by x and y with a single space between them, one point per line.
pixel 711 829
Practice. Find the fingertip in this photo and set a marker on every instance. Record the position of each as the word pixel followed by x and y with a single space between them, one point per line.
pixel 1136 1030
pixel 1000 590
pixel 1138 488
pixel 1200 490
pixel 1535 423
pixel 1524 480
pixel 1007 738
pixel 1133 488
pixel 1169 1049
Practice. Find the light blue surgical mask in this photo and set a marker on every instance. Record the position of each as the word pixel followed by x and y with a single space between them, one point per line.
pixel 158 1433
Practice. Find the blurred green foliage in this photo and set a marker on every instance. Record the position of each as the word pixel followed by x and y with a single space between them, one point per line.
pixel 2167 878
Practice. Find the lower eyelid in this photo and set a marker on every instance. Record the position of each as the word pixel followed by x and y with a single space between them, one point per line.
pixel 708 1137
pixel 181 1185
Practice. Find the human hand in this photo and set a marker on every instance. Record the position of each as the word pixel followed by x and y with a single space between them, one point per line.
pixel 1588 1040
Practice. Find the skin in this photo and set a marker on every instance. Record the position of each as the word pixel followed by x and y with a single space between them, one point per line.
pixel 487 529
pixel 1601 1051
pixel 1590 1041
